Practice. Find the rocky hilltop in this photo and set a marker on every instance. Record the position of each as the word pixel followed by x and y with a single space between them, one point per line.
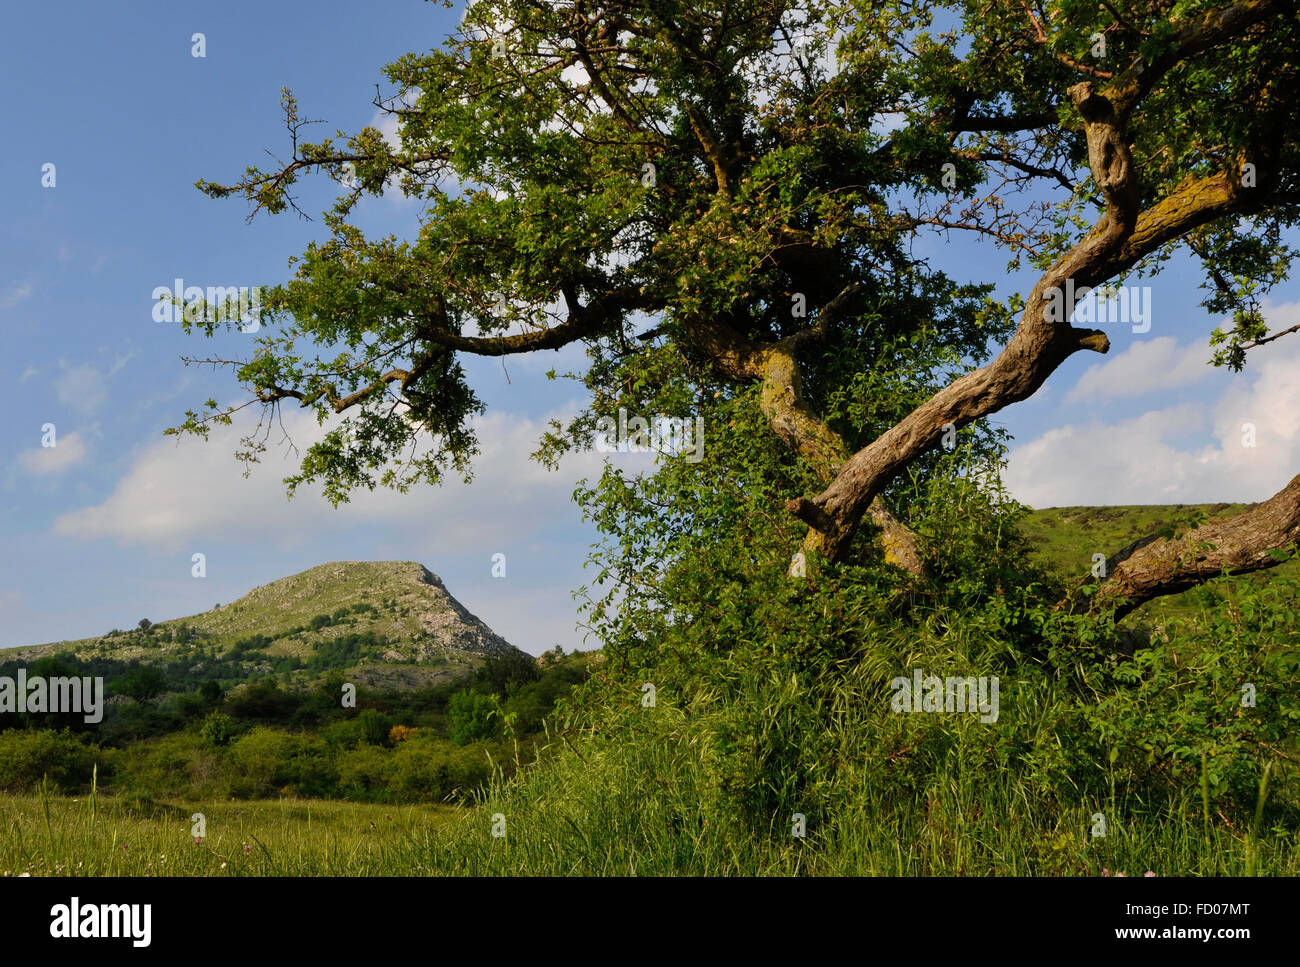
pixel 412 604
pixel 388 623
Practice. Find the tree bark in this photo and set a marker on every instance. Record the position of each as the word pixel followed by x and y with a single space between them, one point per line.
pixel 775 367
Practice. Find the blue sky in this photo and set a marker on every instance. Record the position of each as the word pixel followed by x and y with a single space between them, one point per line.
pixel 99 532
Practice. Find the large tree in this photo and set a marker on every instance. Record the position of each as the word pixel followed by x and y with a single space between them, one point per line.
pixel 737 185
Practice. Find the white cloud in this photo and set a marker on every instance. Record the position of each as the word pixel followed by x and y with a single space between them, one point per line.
pixel 1145 367
pixel 176 496
pixel 388 125
pixel 28 373
pixel 119 363
pixel 67 452
pixel 1148 459
pixel 82 387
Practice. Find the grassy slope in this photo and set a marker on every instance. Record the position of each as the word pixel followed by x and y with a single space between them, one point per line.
pixel 1065 538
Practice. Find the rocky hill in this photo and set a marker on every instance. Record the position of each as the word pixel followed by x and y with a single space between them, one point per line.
pixel 387 624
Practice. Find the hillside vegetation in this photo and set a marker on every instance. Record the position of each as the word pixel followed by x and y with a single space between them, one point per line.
pixel 1064 540
pixel 386 624
pixel 363 681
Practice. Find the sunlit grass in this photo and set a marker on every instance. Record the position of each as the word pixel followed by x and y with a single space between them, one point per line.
pixel 637 806
pixel 62 836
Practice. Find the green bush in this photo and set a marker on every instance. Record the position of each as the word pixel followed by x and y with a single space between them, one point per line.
pixel 263 701
pixel 176 765
pixel 28 756
pixel 218 729
pixel 262 762
pixel 471 716
pixel 375 726
pixel 425 769
pixel 344 734
pixel 143 684
pixel 365 773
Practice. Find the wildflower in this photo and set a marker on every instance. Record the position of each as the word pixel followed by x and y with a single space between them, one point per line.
pixel 1148 873
pixel 197 840
pixel 247 849
pixel 1105 871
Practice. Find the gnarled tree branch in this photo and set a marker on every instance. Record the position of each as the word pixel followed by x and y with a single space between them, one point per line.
pixel 1152 567
pixel 1120 238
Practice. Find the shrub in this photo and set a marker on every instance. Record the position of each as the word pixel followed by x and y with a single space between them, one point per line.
pixel 218 729
pixel 143 684
pixel 167 767
pixel 28 756
pixel 364 773
pixel 472 716
pixel 262 700
pixel 400 733
pixel 375 726
pixel 431 771
pixel 346 734
pixel 262 761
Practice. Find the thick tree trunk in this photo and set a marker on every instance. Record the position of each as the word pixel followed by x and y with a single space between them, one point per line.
pixel 776 369
pixel 783 404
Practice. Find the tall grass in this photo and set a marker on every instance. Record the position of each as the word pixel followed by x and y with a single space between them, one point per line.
pixel 640 804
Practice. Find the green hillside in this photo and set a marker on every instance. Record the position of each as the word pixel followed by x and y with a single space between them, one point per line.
pixel 387 624
pixel 355 680
pixel 1065 538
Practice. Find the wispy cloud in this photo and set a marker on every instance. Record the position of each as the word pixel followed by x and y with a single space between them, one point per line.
pixel 68 452
pixel 176 495
pixel 16 295
pixel 82 387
